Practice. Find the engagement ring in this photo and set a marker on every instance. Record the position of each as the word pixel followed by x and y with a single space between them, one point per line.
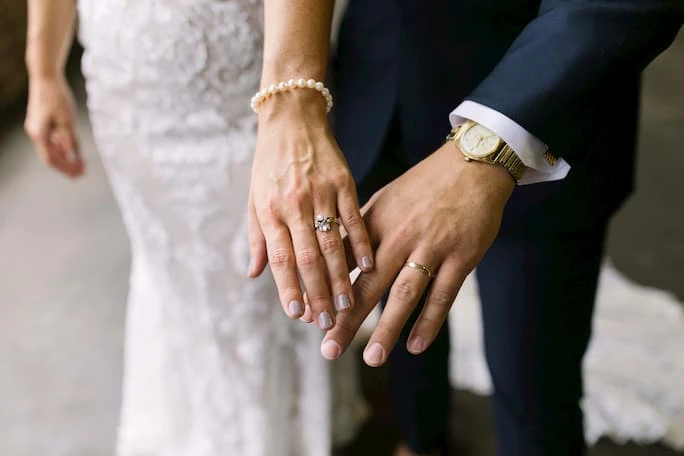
pixel 325 224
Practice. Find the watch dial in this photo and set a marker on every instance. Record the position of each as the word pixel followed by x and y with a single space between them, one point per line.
pixel 479 141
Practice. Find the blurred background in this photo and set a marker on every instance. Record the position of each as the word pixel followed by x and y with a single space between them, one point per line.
pixel 64 265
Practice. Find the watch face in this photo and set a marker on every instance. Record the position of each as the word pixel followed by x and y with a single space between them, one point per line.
pixel 479 141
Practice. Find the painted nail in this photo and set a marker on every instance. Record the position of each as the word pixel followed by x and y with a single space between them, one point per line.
pixel 342 302
pixel 324 320
pixel 416 345
pixel 331 350
pixel 296 309
pixel 366 263
pixel 374 355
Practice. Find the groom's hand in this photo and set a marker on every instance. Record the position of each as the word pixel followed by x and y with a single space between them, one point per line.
pixel 443 214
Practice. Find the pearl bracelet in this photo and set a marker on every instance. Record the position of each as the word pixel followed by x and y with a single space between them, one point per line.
pixel 292 84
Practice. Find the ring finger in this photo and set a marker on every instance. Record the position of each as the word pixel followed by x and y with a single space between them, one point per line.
pixel 439 300
pixel 313 272
pixel 332 249
pixel 408 287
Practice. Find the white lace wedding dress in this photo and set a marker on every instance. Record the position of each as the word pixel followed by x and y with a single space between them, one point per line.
pixel 212 366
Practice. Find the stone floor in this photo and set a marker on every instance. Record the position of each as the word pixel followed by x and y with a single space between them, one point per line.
pixel 64 261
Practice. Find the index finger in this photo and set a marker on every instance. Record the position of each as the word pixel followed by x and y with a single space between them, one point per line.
pixel 406 291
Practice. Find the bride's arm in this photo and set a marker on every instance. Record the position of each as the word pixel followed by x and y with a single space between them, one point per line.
pixel 296 39
pixel 299 171
pixel 50 35
pixel 51 114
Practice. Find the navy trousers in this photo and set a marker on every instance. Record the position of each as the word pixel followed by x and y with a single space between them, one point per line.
pixel 537 290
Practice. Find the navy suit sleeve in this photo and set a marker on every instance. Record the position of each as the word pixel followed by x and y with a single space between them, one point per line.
pixel 568 67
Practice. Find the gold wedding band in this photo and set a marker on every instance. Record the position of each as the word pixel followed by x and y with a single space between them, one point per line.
pixel 419 267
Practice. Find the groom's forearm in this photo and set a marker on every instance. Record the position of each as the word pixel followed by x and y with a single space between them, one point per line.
pixel 297 38
pixel 558 76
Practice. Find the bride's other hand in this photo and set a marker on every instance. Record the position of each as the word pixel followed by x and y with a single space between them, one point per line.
pixel 51 112
pixel 51 124
pixel 299 173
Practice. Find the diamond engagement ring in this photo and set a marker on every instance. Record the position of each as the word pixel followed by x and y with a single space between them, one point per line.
pixel 325 224
pixel 419 267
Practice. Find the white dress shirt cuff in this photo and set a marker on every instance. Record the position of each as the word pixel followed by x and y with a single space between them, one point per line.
pixel 526 146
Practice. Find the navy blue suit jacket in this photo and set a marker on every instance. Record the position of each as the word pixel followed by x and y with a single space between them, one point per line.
pixel 566 70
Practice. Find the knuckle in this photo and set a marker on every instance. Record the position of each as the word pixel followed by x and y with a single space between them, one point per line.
pixel 467 264
pixel 342 283
pixel 266 212
pixel 32 130
pixel 319 301
pixel 296 198
pixel 341 180
pixel 280 259
pixel 64 118
pixel 384 332
pixel 441 299
pixel 364 285
pixel 307 258
pixel 404 231
pixel 403 290
pixel 287 294
pixel 329 244
pixel 429 325
pixel 352 220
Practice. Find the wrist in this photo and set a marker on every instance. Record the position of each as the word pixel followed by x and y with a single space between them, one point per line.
pixel 49 80
pixel 492 179
pixel 302 105
pixel 38 68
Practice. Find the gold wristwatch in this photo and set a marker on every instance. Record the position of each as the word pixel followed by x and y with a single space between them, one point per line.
pixel 478 143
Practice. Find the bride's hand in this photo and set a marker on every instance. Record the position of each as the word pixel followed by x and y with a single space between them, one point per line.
pixel 299 172
pixel 51 124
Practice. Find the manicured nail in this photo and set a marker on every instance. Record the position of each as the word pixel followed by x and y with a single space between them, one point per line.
pixel 324 320
pixel 342 302
pixel 366 263
pixel 374 355
pixel 416 345
pixel 296 309
pixel 331 350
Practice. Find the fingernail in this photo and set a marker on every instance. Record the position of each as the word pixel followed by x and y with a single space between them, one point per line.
pixel 331 350
pixel 324 320
pixel 416 345
pixel 72 157
pixel 342 302
pixel 366 263
pixel 374 355
pixel 296 309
